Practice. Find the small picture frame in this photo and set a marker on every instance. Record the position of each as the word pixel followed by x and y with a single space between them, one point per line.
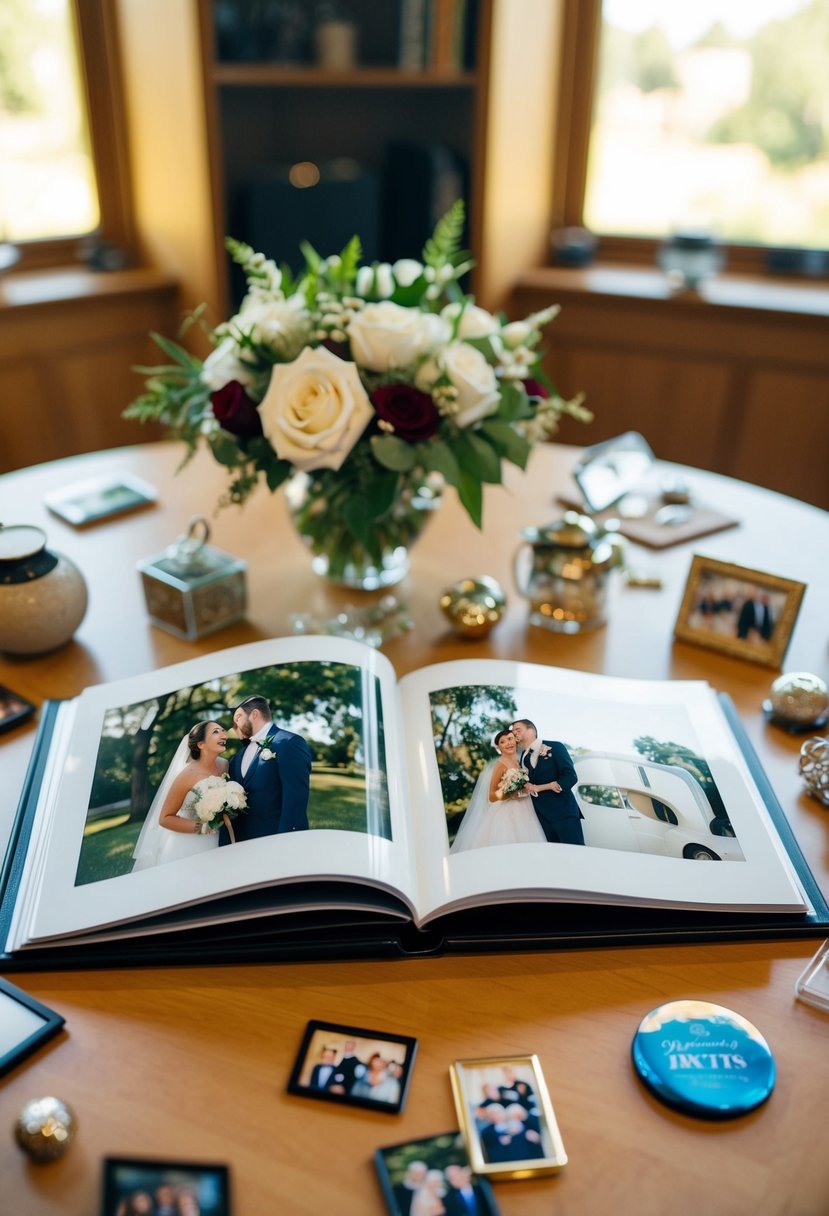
pixel 354 1066
pixel 133 1185
pixel 85 502
pixel 14 708
pixel 25 1025
pixel 742 612
pixel 506 1117
pixel 432 1175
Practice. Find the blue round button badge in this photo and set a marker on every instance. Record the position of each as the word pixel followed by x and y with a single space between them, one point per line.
pixel 703 1059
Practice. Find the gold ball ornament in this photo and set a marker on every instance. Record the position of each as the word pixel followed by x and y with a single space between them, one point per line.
pixel 799 699
pixel 45 1128
pixel 474 606
pixel 814 767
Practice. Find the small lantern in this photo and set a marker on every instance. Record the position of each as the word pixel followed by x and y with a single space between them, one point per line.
pixel 191 588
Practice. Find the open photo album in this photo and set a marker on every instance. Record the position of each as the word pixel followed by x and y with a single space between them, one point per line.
pixel 293 799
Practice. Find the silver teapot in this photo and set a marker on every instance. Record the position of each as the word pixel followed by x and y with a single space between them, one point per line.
pixel 562 568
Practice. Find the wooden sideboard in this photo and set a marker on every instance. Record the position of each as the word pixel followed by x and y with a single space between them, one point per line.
pixel 733 379
pixel 70 339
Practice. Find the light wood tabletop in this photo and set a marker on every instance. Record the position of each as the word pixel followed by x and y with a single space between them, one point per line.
pixel 192 1063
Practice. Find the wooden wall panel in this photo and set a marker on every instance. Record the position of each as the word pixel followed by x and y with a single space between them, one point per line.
pixel 735 380
pixel 679 405
pixel 66 360
pixel 784 439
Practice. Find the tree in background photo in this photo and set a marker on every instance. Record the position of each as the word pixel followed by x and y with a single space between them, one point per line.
pixel 464 722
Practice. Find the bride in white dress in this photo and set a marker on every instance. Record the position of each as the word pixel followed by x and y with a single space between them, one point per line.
pixel 171 829
pixel 495 818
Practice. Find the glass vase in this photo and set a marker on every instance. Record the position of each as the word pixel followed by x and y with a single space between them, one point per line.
pixel 319 508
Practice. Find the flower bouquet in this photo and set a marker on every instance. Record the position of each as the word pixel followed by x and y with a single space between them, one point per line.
pixel 217 800
pixel 513 782
pixel 365 388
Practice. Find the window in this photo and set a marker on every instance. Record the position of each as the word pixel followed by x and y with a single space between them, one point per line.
pixel 63 169
pixel 712 115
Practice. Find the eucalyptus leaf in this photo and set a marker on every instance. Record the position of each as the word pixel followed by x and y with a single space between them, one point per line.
pixel 393 453
pixel 471 495
pixel 478 458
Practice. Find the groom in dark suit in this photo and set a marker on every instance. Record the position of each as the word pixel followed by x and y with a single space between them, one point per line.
pixel 552 777
pixel 274 767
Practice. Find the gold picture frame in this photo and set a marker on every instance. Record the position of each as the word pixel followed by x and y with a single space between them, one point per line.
pixel 747 613
pixel 506 1117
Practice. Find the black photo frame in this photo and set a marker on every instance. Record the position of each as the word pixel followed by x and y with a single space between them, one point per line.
pixel 208 1184
pixel 25 1025
pixel 334 1062
pixel 403 1168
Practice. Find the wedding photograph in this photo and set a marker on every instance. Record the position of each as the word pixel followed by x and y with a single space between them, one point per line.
pixel 739 611
pixel 432 1177
pixel 506 1116
pixel 280 749
pixel 353 1066
pixel 521 766
pixel 134 1187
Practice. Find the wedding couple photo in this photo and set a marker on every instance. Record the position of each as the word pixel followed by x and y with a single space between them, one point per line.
pixel 519 766
pixel 264 753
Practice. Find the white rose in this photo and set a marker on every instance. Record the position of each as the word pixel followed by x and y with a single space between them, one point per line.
pixel 474 379
pixel 386 336
pixel 315 410
pixel 375 280
pixel 281 324
pixel 475 322
pixel 407 271
pixel 516 333
pixel 223 365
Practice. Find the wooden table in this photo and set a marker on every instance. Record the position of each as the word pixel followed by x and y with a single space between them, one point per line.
pixel 191 1064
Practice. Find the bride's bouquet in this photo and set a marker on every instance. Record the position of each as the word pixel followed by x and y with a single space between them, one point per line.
pixel 512 782
pixel 217 800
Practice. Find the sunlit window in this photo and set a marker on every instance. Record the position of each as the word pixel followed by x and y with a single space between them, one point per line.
pixel 47 179
pixel 712 114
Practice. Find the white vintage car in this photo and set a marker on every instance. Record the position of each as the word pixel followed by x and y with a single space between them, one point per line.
pixel 643 807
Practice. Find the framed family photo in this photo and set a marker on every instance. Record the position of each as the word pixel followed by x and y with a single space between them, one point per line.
pixel 506 1117
pixel 432 1175
pixel 354 1066
pixel 135 1187
pixel 742 612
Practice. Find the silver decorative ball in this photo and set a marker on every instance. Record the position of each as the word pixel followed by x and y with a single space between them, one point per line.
pixel 474 606
pixel 814 767
pixel 45 1128
pixel 799 697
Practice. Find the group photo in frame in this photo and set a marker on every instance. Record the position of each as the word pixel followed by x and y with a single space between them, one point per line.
pixel 353 1066
pixel 746 613
pixel 506 1117
pixel 431 1175
pixel 134 1187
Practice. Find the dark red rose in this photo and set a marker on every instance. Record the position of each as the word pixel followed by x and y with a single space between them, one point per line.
pixel 235 412
pixel 535 389
pixel 410 412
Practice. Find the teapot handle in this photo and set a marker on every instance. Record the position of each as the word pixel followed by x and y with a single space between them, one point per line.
pixel 521 566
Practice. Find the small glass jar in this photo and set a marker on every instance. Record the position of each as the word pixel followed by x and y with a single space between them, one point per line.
pixel 689 258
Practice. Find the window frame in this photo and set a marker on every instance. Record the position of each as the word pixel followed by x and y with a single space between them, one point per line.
pixel 96 35
pixel 581 31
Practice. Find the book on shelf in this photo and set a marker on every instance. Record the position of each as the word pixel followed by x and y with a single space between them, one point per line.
pixel 382 820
